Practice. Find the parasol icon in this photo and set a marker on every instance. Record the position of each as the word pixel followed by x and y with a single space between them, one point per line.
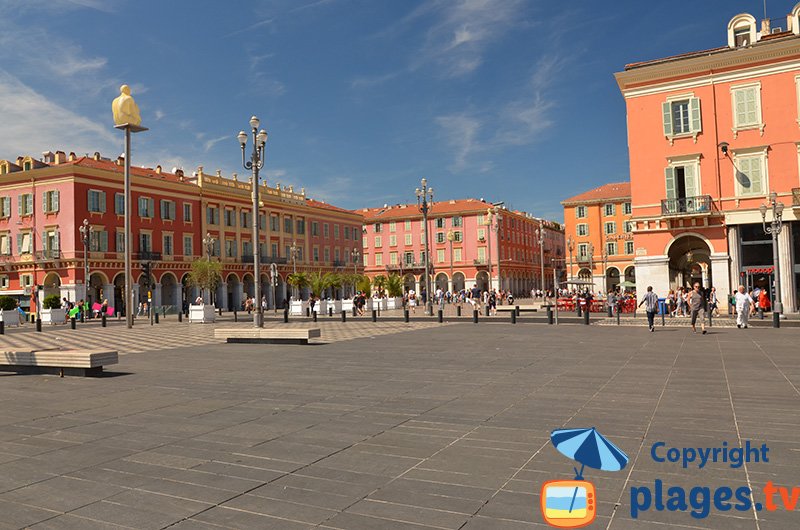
pixel 590 448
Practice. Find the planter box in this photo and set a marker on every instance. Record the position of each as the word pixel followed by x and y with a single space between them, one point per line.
pixel 298 308
pixel 202 313
pixel 10 317
pixel 54 316
pixel 347 305
pixel 394 303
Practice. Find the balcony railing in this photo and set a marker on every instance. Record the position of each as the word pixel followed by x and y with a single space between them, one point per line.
pixel 480 262
pixel 339 263
pixel 701 204
pixel 795 197
pixel 48 254
pixel 148 256
pixel 264 259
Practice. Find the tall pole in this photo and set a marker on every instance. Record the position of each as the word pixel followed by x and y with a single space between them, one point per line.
pixel 489 243
pixel 129 303
pixel 774 229
pixel 497 243
pixel 450 237
pixel 541 252
pixel 255 163
pixel 424 200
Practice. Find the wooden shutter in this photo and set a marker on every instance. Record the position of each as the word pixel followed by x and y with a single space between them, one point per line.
pixel 44 241
pixel 666 111
pixel 694 113
pixel 755 175
pixel 104 241
pixel 750 105
pixel 19 243
pixel 29 201
pixel 690 180
pixel 102 197
pixel 56 241
pixel 669 177
pixel 44 202
pixel 740 107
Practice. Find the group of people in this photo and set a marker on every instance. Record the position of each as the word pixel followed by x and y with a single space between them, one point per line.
pixel 698 301
pixel 475 296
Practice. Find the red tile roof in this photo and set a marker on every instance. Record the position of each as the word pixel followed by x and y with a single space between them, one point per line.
pixel 411 211
pixel 110 165
pixel 325 206
pixel 614 190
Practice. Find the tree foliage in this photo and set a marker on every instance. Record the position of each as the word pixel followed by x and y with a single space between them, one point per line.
pixel 205 274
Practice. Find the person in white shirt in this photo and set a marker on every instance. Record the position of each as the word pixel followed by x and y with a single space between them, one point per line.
pixel 744 306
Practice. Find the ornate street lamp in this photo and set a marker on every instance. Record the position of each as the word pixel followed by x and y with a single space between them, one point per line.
pixel 208 244
pixel 255 163
pixel 540 235
pixel 293 251
pixel 774 228
pixel 355 254
pixel 498 219
pixel 86 233
pixel 450 237
pixel 570 248
pixel 424 203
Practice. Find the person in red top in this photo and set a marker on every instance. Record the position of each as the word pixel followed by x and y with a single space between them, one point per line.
pixel 763 300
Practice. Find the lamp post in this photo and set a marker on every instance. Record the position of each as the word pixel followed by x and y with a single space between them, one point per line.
pixel 208 243
pixel 355 254
pixel 570 248
pixel 255 163
pixel 591 265
pixel 293 250
pixel 605 270
pixel 498 219
pixel 450 237
pixel 86 232
pixel 540 235
pixel 424 200
pixel 774 228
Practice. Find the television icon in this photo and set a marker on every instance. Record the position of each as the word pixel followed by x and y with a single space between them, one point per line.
pixel 568 503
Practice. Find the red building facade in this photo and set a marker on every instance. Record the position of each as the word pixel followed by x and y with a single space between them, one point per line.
pixel 176 219
pixel 464 239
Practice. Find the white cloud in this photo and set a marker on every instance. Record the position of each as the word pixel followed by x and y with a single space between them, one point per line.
pixel 273 174
pixel 460 131
pixel 33 123
pixel 211 143
pixel 158 114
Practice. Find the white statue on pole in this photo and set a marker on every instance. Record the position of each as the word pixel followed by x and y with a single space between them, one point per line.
pixel 126 112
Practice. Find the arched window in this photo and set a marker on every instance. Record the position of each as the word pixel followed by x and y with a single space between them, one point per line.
pixel 794 20
pixel 742 31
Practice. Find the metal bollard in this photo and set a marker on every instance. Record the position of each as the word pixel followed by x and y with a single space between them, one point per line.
pixel 344 315
pixel 220 311
pixel 618 312
pixel 156 315
pixel 405 315
pixel 72 322
pixel 578 305
pixel 586 317
pixel 355 311
pixel 487 310
pixel 513 317
pixel 330 311
pixel 458 310
pixel 374 315
pixel 441 316
pixel 761 313
pixel 550 315
pixel 475 316
pixel 103 320
pixel 610 311
pixel 39 325
pixel 286 315
pixel 2 328
pixel 516 310
pixel 235 317
pixel 314 316
pixel 83 317
pixel 663 318
pixel 308 311
pixel 180 316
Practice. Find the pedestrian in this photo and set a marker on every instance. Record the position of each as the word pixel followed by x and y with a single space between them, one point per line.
pixel 412 300
pixel 744 306
pixel 713 302
pixel 650 301
pixel 696 306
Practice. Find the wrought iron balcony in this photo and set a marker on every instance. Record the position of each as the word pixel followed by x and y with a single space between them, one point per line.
pixel 339 263
pixel 148 256
pixel 795 197
pixel 263 259
pixel 480 262
pixel 698 205
pixel 48 254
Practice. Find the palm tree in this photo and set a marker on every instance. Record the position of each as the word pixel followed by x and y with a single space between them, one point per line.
pixel 318 282
pixel 394 285
pixel 379 282
pixel 298 280
pixel 334 281
pixel 364 285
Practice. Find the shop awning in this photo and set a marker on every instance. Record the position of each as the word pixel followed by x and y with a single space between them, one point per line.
pixel 760 270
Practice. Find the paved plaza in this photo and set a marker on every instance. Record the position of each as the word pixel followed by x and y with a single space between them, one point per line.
pixel 390 426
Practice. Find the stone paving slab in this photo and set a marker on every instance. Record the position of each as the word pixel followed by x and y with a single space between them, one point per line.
pixel 428 427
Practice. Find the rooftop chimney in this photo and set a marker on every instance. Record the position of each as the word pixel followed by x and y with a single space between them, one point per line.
pixel 60 157
pixel 96 155
pixel 72 156
pixel 48 157
pixel 158 170
pixel 765 27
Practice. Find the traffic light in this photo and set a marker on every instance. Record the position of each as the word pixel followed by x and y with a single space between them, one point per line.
pixel 146 272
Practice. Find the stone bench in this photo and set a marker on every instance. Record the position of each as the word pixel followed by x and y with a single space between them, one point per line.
pixel 268 335
pixel 61 362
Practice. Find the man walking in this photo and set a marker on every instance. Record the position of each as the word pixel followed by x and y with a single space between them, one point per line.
pixel 650 301
pixel 696 305
pixel 744 306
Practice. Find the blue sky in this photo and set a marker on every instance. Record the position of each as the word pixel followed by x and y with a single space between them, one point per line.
pixel 504 99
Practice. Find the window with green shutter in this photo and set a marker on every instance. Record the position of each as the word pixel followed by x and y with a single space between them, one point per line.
pixel 681 117
pixel 749 175
pixel 746 106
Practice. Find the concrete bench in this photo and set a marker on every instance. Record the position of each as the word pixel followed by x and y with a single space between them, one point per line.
pixel 61 362
pixel 268 335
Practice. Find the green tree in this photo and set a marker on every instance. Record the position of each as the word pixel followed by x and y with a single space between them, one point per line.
pixel 206 275
pixel 379 282
pixel 394 285
pixel 364 284
pixel 318 282
pixel 298 280
pixel 51 302
pixel 335 281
